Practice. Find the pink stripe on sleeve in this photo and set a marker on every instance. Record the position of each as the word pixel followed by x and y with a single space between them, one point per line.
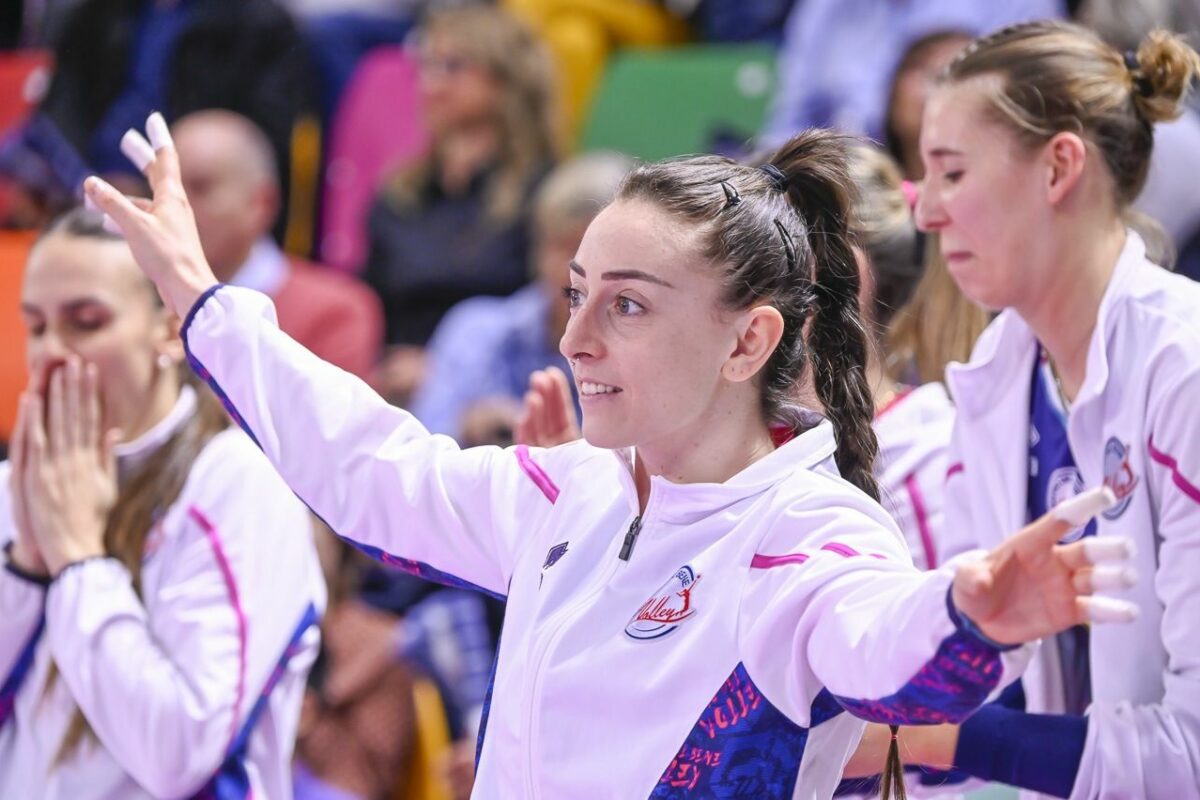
pixel 918 504
pixel 954 470
pixel 214 539
pixel 1170 463
pixel 841 549
pixel 536 473
pixel 767 562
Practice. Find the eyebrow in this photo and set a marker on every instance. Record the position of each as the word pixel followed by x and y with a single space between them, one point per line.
pixel 939 152
pixel 622 275
pixel 68 308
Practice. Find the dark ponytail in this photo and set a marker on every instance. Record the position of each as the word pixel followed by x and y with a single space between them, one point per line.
pixel 814 165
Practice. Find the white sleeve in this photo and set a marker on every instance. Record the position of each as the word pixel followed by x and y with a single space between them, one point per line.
pixel 21 601
pixel 371 471
pixel 862 622
pixel 1153 750
pixel 166 684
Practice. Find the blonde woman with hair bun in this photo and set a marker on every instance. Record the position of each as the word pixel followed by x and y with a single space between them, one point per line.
pixel 1036 142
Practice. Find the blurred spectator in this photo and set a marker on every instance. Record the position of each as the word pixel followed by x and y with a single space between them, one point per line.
pixel 455 224
pixel 117 60
pixel 910 87
pixel 839 55
pixel 483 352
pixel 357 732
pixel 582 34
pixel 229 175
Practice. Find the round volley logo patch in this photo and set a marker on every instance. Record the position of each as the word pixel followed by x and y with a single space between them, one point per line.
pixel 1118 476
pixel 670 606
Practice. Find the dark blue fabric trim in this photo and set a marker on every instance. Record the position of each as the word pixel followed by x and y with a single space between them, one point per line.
pixel 1039 752
pixel 741 747
pixel 38 580
pixel 949 688
pixel 232 781
pixel 420 569
pixel 8 692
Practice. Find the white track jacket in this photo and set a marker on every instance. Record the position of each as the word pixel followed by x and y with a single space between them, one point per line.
pixel 1134 426
pixel 192 691
pixel 717 659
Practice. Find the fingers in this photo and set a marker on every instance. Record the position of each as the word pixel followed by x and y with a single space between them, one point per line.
pixel 1095 550
pixel 56 417
pixel 89 406
pixel 119 209
pixel 1082 507
pixel 135 147
pixel 1104 579
pixel 35 438
pixel 163 173
pixel 1106 609
pixel 565 399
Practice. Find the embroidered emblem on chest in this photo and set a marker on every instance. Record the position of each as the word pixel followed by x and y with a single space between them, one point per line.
pixel 670 606
pixel 1118 476
pixel 552 556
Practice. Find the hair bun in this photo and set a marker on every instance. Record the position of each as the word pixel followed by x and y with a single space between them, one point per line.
pixel 1166 66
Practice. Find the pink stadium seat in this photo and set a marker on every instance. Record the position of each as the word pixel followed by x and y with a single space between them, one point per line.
pixel 376 127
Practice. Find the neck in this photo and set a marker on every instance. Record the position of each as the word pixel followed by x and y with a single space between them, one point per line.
pixel 714 449
pixel 1063 313
pixel 464 153
pixel 163 397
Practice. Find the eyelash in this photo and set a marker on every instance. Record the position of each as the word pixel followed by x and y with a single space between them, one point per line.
pixel 574 299
pixel 953 177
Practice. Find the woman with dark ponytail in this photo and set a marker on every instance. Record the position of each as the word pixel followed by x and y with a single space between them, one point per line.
pixel 700 590
pixel 155 631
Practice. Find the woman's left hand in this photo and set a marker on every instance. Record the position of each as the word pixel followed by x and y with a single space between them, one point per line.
pixel 70 480
pixel 1031 586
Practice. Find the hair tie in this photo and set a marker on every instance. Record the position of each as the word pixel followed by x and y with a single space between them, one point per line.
pixel 776 175
pixel 1141 83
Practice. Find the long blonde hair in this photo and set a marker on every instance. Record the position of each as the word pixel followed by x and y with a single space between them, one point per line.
pixel 145 495
pixel 527 120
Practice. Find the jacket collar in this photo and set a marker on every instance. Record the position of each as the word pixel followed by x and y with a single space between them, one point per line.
pixel 812 444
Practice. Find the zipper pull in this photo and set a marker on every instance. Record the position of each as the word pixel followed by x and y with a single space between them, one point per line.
pixel 631 535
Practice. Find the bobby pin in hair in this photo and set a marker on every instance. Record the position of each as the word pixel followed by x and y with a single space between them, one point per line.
pixel 789 247
pixel 732 198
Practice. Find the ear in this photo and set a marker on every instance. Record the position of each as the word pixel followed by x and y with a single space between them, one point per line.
pixel 171 343
pixel 1065 155
pixel 268 204
pixel 759 330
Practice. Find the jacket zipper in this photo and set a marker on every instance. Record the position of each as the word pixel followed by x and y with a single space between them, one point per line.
pixel 631 535
pixel 539 662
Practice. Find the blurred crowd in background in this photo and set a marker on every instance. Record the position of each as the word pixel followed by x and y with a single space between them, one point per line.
pixel 407 179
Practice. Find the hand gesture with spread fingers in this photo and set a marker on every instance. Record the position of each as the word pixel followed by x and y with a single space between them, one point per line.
pixel 162 231
pixel 1031 586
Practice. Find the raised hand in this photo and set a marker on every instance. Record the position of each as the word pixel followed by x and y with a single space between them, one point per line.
pixel 547 415
pixel 25 554
pixel 1030 586
pixel 70 476
pixel 162 231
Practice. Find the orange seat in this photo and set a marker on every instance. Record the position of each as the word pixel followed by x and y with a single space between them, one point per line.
pixel 14 249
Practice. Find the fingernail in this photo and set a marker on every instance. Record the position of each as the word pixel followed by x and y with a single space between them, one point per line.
pixel 137 149
pixel 1100 549
pixel 1106 579
pixel 1082 507
pixel 1106 609
pixel 156 128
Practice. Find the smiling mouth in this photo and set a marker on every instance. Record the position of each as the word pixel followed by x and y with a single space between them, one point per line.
pixel 592 389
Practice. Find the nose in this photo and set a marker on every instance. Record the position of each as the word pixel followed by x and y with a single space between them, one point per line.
pixel 580 340
pixel 929 214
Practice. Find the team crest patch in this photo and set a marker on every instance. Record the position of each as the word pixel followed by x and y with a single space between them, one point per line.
pixel 667 609
pixel 1118 476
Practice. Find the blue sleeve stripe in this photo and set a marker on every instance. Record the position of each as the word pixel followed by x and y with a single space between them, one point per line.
pixel 1039 752
pixel 8 692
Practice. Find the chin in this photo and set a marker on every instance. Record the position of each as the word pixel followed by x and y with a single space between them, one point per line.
pixel 598 435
